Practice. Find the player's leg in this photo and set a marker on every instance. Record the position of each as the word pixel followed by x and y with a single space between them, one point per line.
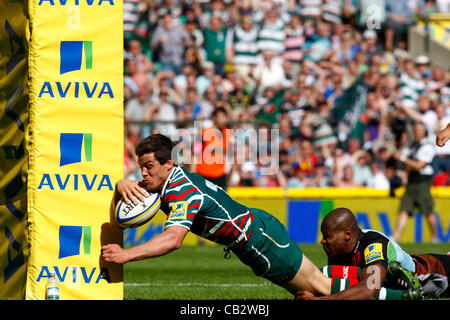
pixel 426 205
pixel 402 221
pixel 274 256
pixel 406 208
pixel 310 278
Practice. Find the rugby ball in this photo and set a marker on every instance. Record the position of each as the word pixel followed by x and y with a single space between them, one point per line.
pixel 132 216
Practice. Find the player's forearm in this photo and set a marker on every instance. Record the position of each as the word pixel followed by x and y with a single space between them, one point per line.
pixel 415 164
pixel 359 291
pixel 159 245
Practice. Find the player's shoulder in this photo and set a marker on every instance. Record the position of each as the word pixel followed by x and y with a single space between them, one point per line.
pixel 180 186
pixel 374 247
pixel 370 234
pixel 370 237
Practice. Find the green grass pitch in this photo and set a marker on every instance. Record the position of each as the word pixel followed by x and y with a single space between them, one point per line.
pixel 201 273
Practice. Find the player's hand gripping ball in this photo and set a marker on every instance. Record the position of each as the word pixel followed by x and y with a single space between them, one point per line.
pixel 133 216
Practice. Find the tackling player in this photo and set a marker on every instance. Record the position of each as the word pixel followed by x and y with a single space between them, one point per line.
pixel 194 204
pixel 380 261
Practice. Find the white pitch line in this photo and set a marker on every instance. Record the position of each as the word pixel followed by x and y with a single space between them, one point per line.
pixel 198 284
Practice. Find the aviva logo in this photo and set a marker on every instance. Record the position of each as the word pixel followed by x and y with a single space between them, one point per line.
pixel 71 238
pixel 75 148
pixel 71 146
pixel 74 56
pixel 71 55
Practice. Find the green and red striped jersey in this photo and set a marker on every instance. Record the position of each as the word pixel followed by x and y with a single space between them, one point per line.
pixel 192 202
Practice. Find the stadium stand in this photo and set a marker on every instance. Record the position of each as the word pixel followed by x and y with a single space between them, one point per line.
pixel 341 92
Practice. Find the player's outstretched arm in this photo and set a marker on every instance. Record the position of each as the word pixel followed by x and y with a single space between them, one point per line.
pixel 161 244
pixel 371 280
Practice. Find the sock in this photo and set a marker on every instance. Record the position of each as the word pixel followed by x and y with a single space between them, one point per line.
pixel 343 272
pixel 389 294
pixel 338 285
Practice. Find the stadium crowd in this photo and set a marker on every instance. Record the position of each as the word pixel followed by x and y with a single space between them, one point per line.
pixel 337 84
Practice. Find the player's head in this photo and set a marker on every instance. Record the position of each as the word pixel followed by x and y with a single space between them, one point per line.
pixel 155 160
pixel 220 118
pixel 420 130
pixel 339 232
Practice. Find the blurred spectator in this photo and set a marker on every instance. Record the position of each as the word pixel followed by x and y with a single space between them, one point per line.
pixel 131 167
pixel 376 112
pixel 169 7
pixel 343 177
pixel 418 158
pixel 310 9
pixel 191 110
pixel 134 53
pixel 424 114
pixel 195 35
pixel 269 106
pixel 215 142
pixel 293 43
pixel 215 44
pixel 181 81
pixel 207 103
pixel 292 107
pixel 398 18
pixel 131 12
pixel 170 39
pixel 240 98
pixel 267 173
pixel 206 78
pixel 353 146
pixel 269 73
pixel 137 108
pixel 362 173
pixel 395 181
pixel 216 9
pixel 411 85
pixel 370 46
pixel 271 35
pixel 332 11
pixel 319 46
pixel 298 178
pixel 320 177
pixel 423 66
pixel 135 78
pixel 347 47
pixel 379 180
pixel 307 158
pixel 164 113
pixel 130 86
pixel 244 51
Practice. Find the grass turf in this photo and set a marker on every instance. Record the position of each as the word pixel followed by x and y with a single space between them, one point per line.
pixel 202 273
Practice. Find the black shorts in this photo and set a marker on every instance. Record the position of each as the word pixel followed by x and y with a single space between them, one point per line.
pixel 418 195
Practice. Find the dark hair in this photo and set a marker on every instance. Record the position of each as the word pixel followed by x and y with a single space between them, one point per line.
pixel 218 110
pixel 159 144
